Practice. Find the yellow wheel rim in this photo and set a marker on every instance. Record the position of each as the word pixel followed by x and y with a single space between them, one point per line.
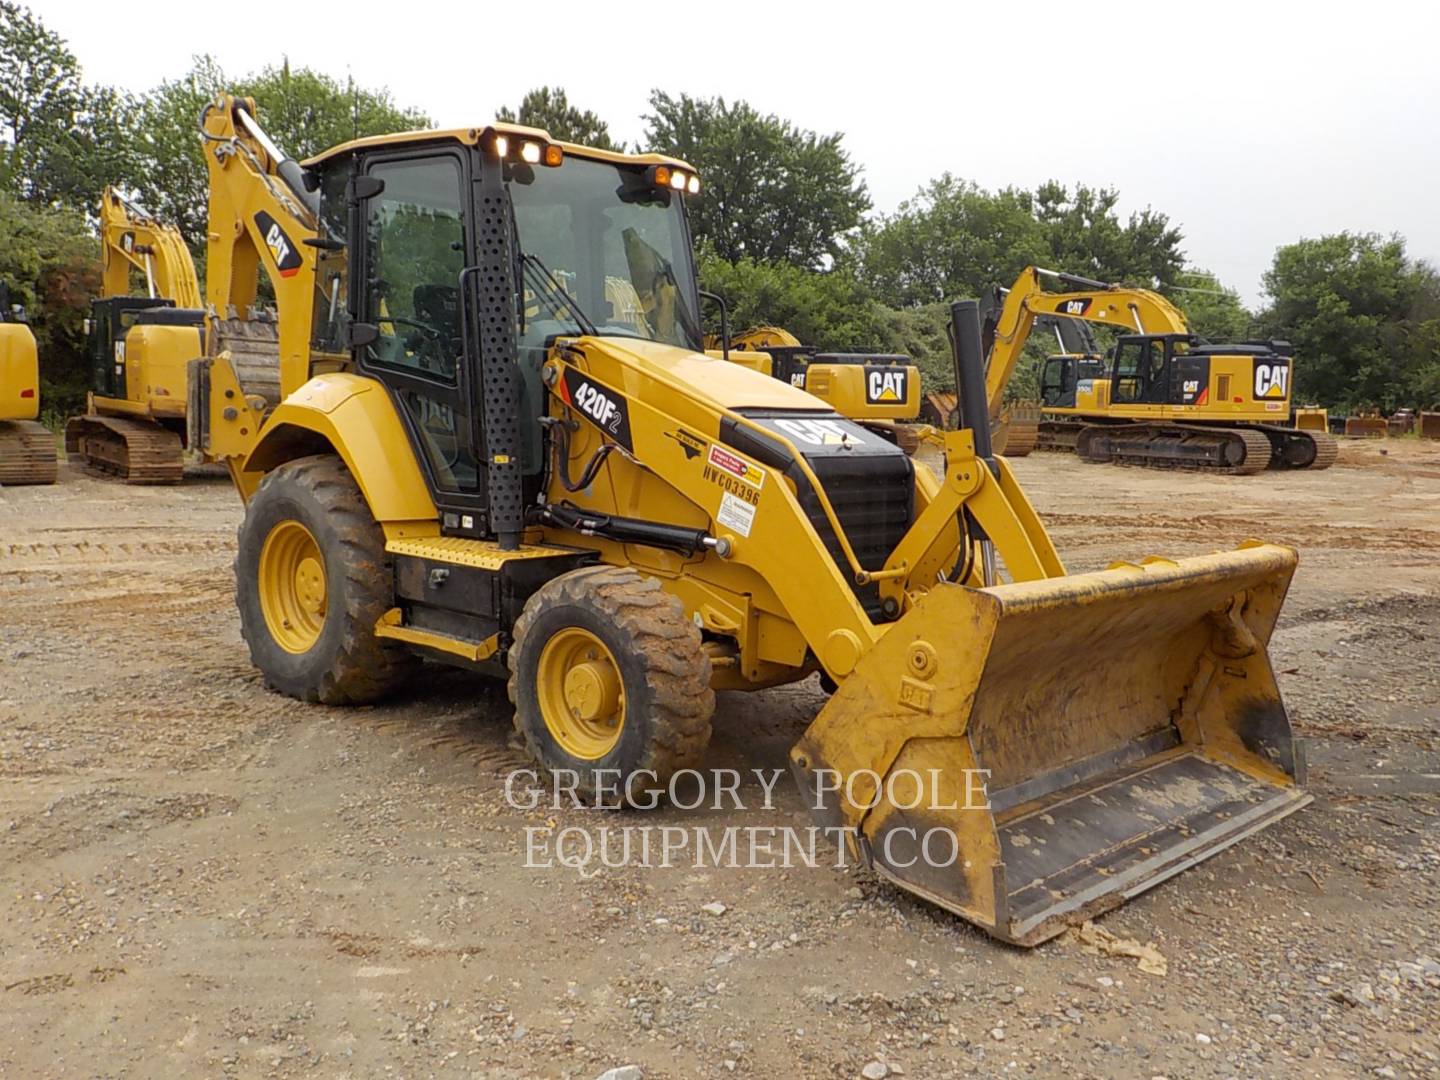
pixel 581 696
pixel 293 589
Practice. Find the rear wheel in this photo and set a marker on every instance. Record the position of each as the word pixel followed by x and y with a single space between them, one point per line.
pixel 311 579
pixel 609 680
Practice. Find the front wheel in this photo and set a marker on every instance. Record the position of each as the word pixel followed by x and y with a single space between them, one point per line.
pixel 610 682
pixel 311 579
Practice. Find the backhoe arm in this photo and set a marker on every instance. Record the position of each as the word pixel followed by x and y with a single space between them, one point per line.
pixel 260 214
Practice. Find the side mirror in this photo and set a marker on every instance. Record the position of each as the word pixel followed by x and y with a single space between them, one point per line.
pixel 363 187
pixel 360 334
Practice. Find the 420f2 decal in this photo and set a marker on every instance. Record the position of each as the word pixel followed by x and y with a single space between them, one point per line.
pixel 602 406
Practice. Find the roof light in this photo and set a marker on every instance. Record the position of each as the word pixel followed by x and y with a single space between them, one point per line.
pixel 530 153
pixel 693 186
pixel 677 180
pixel 554 155
pixel 661 175
pixel 502 146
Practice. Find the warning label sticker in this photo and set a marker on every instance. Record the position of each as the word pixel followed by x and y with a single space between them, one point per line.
pixel 736 466
pixel 736 514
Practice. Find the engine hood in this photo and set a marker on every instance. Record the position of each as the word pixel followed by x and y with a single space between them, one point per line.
pixel 632 366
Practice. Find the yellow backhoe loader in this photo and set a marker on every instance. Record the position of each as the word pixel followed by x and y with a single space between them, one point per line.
pixel 477 459
pixel 1167 398
pixel 27 449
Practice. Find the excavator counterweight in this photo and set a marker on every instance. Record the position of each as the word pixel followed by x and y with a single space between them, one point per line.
pixel 27 449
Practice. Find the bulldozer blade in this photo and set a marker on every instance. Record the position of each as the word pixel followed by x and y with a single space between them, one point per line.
pixel 1031 755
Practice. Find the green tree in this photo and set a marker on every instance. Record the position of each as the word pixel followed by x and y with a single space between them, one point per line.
pixel 770 192
pixel 920 332
pixel 1085 236
pixel 829 309
pixel 956 239
pixel 551 110
pixel 1211 310
pixel 97 147
pixel 172 181
pixel 49 260
pixel 953 239
pixel 39 91
pixel 306 111
pixel 1363 316
pixel 60 141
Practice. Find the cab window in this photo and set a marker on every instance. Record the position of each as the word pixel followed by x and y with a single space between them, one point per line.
pixel 415 236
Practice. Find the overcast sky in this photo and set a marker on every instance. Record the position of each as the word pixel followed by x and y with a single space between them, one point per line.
pixel 1250 124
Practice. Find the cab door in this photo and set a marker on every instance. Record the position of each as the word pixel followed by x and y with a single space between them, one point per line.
pixel 412 230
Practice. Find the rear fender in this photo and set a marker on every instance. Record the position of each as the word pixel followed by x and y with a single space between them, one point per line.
pixel 352 416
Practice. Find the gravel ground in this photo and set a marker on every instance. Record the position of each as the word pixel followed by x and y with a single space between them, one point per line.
pixel 201 878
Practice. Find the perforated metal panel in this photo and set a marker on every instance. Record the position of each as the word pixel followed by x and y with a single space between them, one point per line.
pixel 501 381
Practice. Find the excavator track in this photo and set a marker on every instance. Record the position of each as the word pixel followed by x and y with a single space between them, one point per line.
pixel 1058 436
pixel 27 453
pixel 1291 448
pixel 1233 451
pixel 136 451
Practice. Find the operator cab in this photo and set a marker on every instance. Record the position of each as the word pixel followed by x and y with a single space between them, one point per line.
pixel 473 252
pixel 1078 361
pixel 1062 375
pixel 1174 369
pixel 1153 369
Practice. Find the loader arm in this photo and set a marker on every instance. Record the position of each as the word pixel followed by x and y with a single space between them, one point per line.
pixel 1127 309
pixel 130 239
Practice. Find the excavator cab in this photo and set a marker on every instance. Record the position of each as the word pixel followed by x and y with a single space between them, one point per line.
pixel 1063 376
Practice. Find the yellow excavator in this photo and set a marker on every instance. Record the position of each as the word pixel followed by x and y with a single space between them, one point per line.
pixel 477 459
pixel 27 449
pixel 144 329
pixel 1166 398
pixel 881 391
pixel 139 345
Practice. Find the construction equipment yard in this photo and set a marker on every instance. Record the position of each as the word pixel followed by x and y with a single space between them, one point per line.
pixel 204 878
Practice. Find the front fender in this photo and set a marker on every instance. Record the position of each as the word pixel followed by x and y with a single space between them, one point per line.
pixel 353 416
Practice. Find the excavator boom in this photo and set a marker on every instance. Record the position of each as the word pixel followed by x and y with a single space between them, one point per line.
pixel 133 241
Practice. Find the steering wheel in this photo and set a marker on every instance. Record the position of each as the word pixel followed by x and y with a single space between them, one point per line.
pixel 425 328
pixel 429 350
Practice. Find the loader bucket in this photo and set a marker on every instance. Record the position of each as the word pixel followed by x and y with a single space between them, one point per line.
pixel 1031 755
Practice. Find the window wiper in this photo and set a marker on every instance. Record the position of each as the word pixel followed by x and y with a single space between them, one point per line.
pixel 551 285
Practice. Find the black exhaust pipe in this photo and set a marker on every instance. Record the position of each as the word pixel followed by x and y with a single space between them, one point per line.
pixel 974 413
pixel 970 376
